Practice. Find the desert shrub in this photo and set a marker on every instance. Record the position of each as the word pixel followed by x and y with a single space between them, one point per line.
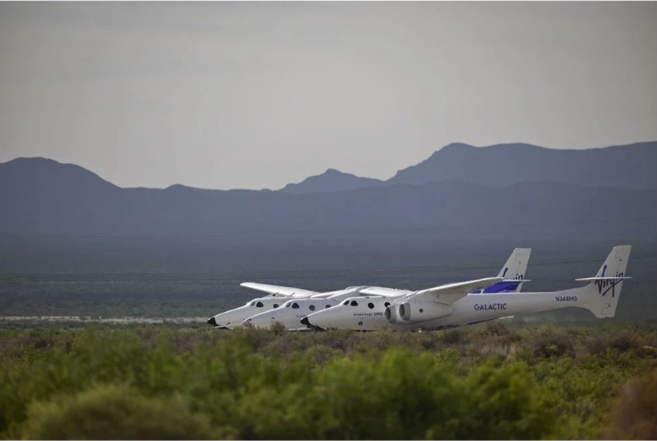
pixel 628 338
pixel 624 340
pixel 334 384
pixel 634 412
pixel 499 403
pixel 549 342
pixel 431 341
pixel 116 412
pixel 452 336
pixel 288 344
pixel 402 395
pixel 496 328
pixel 278 328
pixel 256 338
pixel 321 353
pixel 493 350
pixel 393 396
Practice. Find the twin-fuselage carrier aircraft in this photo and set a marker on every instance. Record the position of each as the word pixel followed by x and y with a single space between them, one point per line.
pixel 454 304
pixel 288 305
pixel 445 306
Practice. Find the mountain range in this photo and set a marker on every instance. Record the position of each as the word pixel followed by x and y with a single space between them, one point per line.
pixel 461 191
pixel 631 166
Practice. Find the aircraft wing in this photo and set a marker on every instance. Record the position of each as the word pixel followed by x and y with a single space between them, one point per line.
pixel 279 291
pixel 453 291
pixel 384 292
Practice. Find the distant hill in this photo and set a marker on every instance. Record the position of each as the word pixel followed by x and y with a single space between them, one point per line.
pixel 38 191
pixel 45 197
pixel 330 180
pixel 631 166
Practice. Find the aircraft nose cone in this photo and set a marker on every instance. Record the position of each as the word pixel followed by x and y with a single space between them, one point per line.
pixel 212 322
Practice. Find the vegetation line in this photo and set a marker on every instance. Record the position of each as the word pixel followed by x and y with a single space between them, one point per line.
pixel 483 382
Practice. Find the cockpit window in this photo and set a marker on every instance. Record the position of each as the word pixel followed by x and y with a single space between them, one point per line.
pixel 346 302
pixel 295 305
pixel 354 303
pixel 370 305
pixel 259 305
pixel 287 305
pixel 252 303
pixel 311 307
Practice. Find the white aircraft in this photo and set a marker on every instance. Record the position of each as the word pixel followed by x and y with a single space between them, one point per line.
pixel 278 295
pixel 293 311
pixel 455 305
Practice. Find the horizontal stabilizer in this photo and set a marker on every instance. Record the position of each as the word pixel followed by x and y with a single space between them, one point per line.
pixel 593 279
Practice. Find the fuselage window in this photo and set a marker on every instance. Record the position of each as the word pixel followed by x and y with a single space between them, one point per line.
pixel 275 305
pixel 259 305
pixel 295 306
pixel 354 303
pixel 287 305
pixel 312 307
pixel 252 303
pixel 370 305
pixel 346 302
pixel 328 306
pixel 386 304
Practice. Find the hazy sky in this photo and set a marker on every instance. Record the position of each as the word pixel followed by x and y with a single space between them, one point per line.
pixel 253 95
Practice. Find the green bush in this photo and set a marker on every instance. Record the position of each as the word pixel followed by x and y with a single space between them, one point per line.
pixel 548 341
pixel 471 383
pixel 116 412
pixel 503 403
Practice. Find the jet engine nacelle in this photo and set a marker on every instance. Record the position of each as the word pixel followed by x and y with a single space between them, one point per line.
pixel 420 311
pixel 391 313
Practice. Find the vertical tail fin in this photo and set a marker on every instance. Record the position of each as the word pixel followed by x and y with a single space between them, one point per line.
pixel 513 272
pixel 605 288
pixel 616 262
